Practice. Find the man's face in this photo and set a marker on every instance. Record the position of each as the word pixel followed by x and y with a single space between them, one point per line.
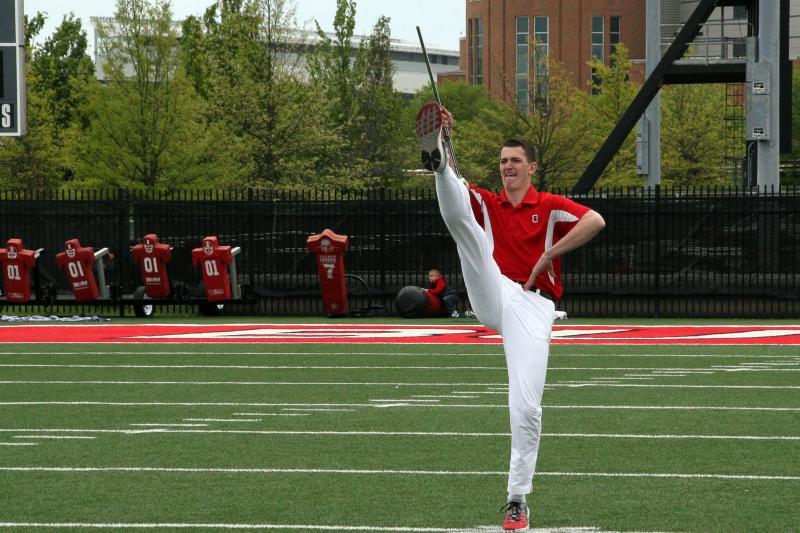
pixel 515 169
pixel 432 276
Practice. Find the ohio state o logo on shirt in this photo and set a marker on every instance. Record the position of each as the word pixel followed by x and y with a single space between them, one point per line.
pixel 535 219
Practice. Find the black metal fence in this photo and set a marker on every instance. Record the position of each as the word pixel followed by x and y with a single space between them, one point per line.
pixel 676 252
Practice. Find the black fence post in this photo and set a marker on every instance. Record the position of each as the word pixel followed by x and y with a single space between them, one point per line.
pixel 123 236
pixel 382 240
pixel 251 249
pixel 657 250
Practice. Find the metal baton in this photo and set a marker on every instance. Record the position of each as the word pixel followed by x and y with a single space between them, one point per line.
pixel 446 137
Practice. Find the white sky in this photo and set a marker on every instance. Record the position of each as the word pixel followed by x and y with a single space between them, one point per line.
pixel 442 21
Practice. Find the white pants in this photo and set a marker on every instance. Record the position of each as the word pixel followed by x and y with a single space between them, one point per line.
pixel 523 318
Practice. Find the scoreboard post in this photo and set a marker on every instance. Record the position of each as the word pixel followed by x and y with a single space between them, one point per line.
pixel 13 121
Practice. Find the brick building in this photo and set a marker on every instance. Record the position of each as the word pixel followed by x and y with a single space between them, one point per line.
pixel 509 43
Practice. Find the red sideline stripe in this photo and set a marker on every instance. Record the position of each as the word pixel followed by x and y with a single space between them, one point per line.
pixel 390 334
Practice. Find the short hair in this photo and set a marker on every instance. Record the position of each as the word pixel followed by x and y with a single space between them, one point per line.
pixel 434 270
pixel 530 151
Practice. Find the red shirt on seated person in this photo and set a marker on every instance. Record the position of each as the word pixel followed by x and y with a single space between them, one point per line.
pixel 439 288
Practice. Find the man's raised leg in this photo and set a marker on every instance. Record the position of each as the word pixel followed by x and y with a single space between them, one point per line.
pixel 481 274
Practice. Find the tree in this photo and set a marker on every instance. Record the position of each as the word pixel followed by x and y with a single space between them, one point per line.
pixel 338 68
pixel 381 107
pixel 34 161
pixel 64 69
pixel 364 110
pixel 615 91
pixel 145 130
pixel 556 128
pixel 693 135
pixel 243 59
pixel 476 135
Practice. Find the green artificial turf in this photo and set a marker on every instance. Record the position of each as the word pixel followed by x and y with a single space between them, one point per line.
pixel 411 436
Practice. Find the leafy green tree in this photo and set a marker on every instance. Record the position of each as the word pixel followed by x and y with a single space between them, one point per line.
pixel 243 59
pixel 476 136
pixel 693 135
pixel 381 107
pixel 34 161
pixel 615 91
pixel 145 130
pixel 556 128
pixel 338 68
pixel 64 68
pixel 364 110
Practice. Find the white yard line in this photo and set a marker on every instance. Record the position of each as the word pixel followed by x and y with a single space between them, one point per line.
pixel 626 377
pixel 17 444
pixel 261 367
pixel 245 383
pixel 317 409
pixel 385 384
pixel 405 400
pixel 673 408
pixel 692 370
pixel 171 525
pixel 459 395
pixel 181 525
pixel 426 405
pixel 330 433
pixel 274 414
pixel 223 420
pixel 171 425
pixel 65 437
pixel 570 384
pixel 402 472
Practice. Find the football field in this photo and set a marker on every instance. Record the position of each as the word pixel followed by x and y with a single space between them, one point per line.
pixel 377 436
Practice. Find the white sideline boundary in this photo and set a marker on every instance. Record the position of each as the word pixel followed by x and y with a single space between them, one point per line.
pixel 567 384
pixel 456 473
pixel 681 371
pixel 173 525
pixel 405 434
pixel 399 404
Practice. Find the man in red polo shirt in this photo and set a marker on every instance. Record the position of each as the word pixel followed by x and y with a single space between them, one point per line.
pixel 510 246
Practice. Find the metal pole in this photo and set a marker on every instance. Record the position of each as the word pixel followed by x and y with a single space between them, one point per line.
pixel 446 137
pixel 769 24
pixel 650 128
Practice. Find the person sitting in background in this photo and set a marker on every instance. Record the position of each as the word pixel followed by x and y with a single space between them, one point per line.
pixel 439 288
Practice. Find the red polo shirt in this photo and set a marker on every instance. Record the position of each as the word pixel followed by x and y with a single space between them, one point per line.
pixel 522 233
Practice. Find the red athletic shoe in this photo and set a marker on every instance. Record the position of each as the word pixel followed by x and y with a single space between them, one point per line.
pixel 429 135
pixel 516 516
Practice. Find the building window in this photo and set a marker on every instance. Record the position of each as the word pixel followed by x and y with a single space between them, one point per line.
pixel 470 45
pixel 479 51
pixel 598 48
pixel 740 12
pixel 475 50
pixel 598 45
pixel 614 34
pixel 541 70
pixel 522 62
